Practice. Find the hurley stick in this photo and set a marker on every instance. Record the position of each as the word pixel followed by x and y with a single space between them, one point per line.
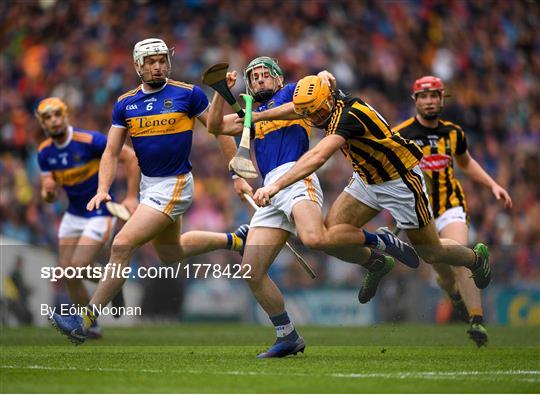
pixel 241 164
pixel 216 78
pixel 118 210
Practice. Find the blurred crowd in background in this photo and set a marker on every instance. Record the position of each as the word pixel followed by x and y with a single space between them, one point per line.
pixel 487 53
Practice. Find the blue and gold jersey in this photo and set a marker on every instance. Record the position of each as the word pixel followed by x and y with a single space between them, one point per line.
pixel 279 142
pixel 161 125
pixel 74 166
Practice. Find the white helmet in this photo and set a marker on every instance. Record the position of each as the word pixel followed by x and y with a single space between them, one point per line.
pixel 149 47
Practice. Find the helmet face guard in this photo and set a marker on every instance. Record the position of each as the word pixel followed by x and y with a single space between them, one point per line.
pixel 271 65
pixel 151 47
pixel 48 106
pixel 313 100
pixel 322 115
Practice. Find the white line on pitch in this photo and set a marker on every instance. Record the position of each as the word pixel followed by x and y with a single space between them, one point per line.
pixel 477 375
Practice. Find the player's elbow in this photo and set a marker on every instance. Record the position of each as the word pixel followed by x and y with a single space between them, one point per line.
pixel 464 161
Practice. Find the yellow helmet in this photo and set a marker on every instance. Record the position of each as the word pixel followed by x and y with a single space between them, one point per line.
pixel 51 104
pixel 310 94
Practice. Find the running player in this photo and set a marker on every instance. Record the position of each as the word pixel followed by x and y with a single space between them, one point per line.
pixel 159 116
pixel 278 145
pixel 69 158
pixel 386 174
pixel 442 142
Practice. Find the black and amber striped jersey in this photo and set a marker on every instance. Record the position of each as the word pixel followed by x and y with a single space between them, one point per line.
pixel 376 153
pixel 439 146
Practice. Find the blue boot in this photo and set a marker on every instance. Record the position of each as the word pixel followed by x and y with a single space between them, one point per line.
pixel 70 326
pixel 284 348
pixel 397 248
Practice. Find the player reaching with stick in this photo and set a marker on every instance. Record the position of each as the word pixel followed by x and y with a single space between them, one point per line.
pixel 386 175
pixel 159 116
pixel 442 142
pixel 297 208
pixel 70 158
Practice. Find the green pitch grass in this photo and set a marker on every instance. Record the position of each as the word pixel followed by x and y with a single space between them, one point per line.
pixel 220 358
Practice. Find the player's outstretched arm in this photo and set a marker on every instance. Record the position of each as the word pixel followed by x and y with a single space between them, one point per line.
pixel 307 164
pixel 133 171
pixel 108 165
pixel 283 112
pixel 286 110
pixel 475 172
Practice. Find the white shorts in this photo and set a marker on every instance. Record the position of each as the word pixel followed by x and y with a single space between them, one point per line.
pixel 170 195
pixel 279 213
pixel 406 198
pixel 97 228
pixel 454 214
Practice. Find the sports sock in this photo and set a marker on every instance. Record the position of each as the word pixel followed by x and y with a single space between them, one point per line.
pixel 89 315
pixel 284 328
pixel 375 262
pixel 476 312
pixel 234 242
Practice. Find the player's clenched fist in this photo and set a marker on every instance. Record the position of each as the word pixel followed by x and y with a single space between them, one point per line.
pixel 48 190
pixel 263 195
pixel 231 78
pixel 96 201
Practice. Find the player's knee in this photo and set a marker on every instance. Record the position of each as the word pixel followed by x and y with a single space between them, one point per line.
pixel 313 241
pixel 123 240
pixel 252 277
pixel 120 240
pixel 122 245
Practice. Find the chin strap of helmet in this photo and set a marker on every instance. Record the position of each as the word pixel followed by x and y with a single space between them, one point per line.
pixel 264 95
pixel 155 84
pixel 275 71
